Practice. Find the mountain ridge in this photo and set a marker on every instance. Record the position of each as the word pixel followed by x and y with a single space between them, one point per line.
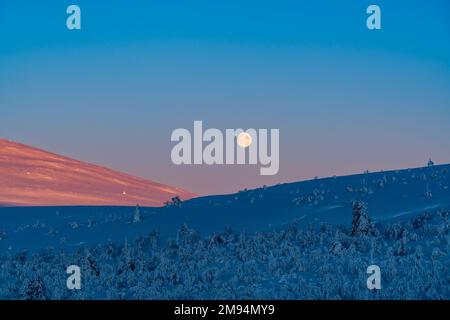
pixel 30 176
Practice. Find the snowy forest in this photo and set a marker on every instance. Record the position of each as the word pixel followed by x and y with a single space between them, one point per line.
pixel 307 240
pixel 327 262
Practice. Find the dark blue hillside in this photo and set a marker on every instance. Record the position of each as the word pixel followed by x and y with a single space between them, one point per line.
pixel 393 195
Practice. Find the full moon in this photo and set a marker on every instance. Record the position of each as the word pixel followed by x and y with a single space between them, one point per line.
pixel 244 139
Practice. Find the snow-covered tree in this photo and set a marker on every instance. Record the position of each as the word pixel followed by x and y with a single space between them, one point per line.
pixel 361 224
pixel 137 217
pixel 174 202
pixel 34 289
pixel 428 193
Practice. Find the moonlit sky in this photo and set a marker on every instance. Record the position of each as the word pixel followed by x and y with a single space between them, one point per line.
pixel 345 99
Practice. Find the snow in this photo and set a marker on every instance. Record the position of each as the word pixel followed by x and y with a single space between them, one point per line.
pixel 285 241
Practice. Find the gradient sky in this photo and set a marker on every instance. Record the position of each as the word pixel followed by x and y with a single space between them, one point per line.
pixel 345 99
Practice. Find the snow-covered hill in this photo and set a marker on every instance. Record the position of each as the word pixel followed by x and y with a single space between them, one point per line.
pixel 391 196
pixel 34 177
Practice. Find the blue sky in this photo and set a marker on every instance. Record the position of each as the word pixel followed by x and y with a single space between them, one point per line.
pixel 345 99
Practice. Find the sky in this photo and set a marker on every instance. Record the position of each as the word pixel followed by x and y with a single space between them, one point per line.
pixel 345 99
